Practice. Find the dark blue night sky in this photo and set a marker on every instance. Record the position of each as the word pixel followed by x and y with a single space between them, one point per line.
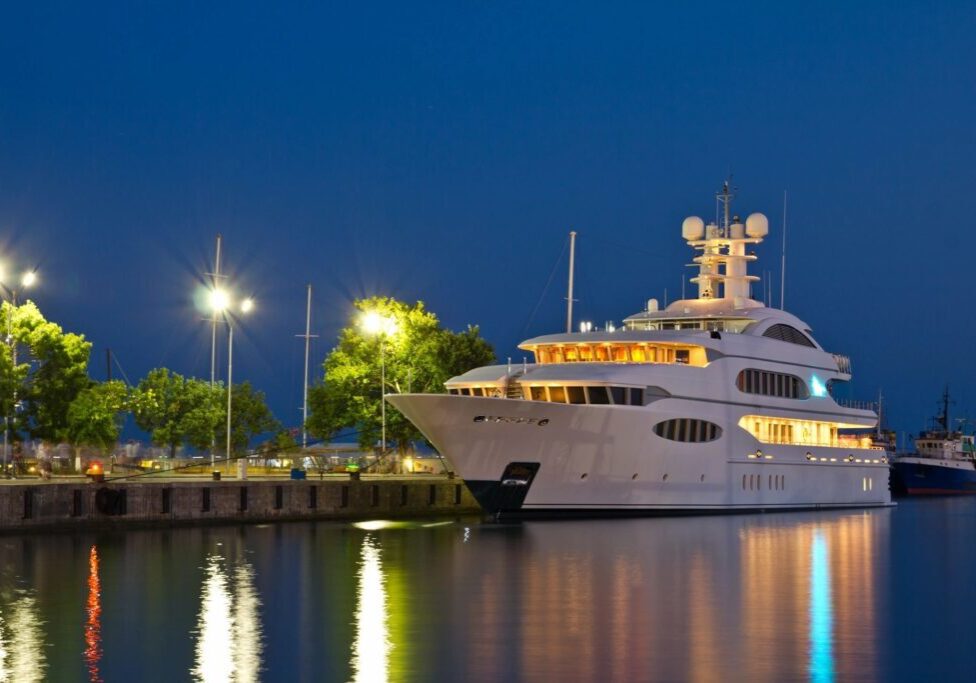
pixel 443 151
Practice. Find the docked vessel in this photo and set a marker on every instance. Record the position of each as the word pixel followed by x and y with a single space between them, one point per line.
pixel 713 404
pixel 942 464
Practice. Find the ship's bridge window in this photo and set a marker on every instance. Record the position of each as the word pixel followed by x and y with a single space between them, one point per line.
pixel 734 325
pixel 688 430
pixel 766 383
pixel 490 391
pixel 788 334
pixel 593 395
pixel 619 352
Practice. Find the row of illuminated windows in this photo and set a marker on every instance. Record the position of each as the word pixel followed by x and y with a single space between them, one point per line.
pixel 490 391
pixel 618 352
pixel 767 383
pixel 688 430
pixel 594 395
pixel 774 482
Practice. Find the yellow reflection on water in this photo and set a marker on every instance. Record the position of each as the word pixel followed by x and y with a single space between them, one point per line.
pixel 228 644
pixel 371 647
pixel 21 640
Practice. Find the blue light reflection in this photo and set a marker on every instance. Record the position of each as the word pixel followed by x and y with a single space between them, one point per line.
pixel 821 612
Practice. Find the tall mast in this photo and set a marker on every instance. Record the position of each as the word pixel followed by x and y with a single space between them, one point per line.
pixel 782 268
pixel 213 322
pixel 308 338
pixel 569 296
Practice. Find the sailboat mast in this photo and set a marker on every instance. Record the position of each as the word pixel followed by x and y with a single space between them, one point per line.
pixel 569 295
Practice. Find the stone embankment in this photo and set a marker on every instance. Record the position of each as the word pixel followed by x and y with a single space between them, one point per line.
pixel 78 504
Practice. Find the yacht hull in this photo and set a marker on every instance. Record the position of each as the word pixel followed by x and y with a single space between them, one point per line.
pixel 535 458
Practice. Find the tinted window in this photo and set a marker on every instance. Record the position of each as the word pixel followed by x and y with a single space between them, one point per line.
pixel 576 394
pixel 636 397
pixel 598 395
pixel 688 430
pixel 538 393
pixel 618 394
pixel 557 394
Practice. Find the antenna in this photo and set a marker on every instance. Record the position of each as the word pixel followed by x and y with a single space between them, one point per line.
pixel 569 296
pixel 782 271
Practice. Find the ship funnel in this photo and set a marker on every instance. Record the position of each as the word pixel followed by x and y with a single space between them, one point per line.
pixel 652 305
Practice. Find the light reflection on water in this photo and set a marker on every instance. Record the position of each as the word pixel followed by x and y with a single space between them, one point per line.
pixel 93 624
pixel 22 655
pixel 228 646
pixel 805 596
pixel 371 647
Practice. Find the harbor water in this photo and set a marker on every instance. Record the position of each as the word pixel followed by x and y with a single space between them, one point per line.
pixel 885 594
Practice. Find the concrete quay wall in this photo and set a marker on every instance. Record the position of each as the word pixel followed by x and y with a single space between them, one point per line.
pixel 82 505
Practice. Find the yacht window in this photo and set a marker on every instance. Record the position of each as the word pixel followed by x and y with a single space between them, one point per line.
pixel 538 393
pixel 453 391
pixel 557 394
pixel 688 430
pixel 771 384
pixel 477 391
pixel 788 334
pixel 598 395
pixel 465 391
pixel 602 353
pixel 681 356
pixel 636 397
pixel 618 394
pixel 576 394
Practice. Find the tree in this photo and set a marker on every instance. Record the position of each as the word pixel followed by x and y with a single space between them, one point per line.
pixel 420 356
pixel 52 370
pixel 96 415
pixel 176 409
pixel 250 416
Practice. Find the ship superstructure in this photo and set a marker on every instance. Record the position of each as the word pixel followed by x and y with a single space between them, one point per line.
pixel 716 403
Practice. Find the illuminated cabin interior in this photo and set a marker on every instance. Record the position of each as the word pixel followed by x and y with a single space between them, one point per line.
pixel 618 352
pixel 789 431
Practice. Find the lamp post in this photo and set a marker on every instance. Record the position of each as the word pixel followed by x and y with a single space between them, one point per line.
pixel 27 280
pixel 381 327
pixel 220 303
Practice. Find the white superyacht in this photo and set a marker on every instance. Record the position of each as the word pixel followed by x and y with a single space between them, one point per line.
pixel 713 404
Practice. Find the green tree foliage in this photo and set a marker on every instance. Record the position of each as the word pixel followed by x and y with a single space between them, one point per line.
pixel 96 415
pixel 52 370
pixel 250 416
pixel 420 356
pixel 175 410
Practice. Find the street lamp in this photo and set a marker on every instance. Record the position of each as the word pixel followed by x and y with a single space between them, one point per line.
pixel 27 280
pixel 381 327
pixel 220 302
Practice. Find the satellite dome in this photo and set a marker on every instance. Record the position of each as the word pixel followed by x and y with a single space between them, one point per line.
pixel 757 225
pixel 693 228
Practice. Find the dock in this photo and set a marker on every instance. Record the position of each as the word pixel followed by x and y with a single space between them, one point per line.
pixel 77 503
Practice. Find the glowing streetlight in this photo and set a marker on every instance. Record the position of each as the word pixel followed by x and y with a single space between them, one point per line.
pixel 219 300
pixel 29 279
pixel 380 326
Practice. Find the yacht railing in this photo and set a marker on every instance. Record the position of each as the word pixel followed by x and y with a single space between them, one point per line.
pixel 843 363
pixel 857 405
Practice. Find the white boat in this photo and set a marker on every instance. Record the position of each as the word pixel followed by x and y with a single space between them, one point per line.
pixel 713 404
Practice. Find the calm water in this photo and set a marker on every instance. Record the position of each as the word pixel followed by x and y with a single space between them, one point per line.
pixel 887 594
